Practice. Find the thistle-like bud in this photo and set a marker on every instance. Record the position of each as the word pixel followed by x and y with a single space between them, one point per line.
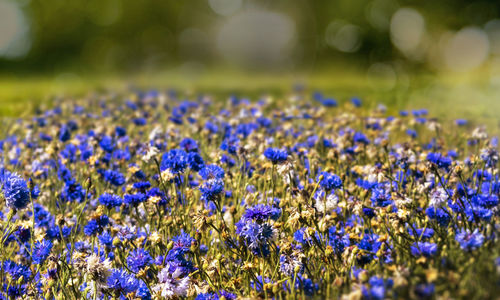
pixel 116 242
pixel 296 269
pixel 87 184
pixel 170 245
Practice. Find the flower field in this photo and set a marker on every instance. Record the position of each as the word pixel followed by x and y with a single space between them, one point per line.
pixel 152 195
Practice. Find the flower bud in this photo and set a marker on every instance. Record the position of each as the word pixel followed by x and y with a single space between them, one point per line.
pixel 170 245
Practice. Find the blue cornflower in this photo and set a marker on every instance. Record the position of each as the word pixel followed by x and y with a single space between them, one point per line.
pixel 359 137
pixel 380 197
pixel 138 259
pixel 424 233
pixel 371 245
pixel 120 131
pixel 424 290
pixel 426 249
pixel 441 215
pixel 378 288
pixel 256 235
pixel 183 240
pixel 189 145
pixel 469 241
pixel 122 282
pixel 214 296
pixel 143 291
pixel 135 199
pixel 107 144
pixel 411 133
pixel 306 285
pixel 114 177
pixel 16 271
pixel 440 160
pixel 261 212
pixel 175 160
pixel 91 227
pixel 106 239
pixel 338 239
pixel 142 185
pixel 330 181
pixel 95 226
pixel 301 237
pixel 41 251
pixel 369 212
pixel 276 155
pixel 64 133
pixel 212 189
pixel 73 191
pixel 356 102
pixel 156 192
pixel 110 200
pixel 195 161
pixel 139 121
pixel 212 172
pixel 230 144
pixel 329 102
pixel 23 234
pixel 15 191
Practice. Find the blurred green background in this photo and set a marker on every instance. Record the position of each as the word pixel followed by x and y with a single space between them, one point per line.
pixel 151 35
pixel 442 54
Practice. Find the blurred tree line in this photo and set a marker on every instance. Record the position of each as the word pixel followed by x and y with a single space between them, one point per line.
pixel 127 35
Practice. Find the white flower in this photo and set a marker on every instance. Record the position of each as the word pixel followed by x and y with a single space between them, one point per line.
pixel 479 133
pixel 171 283
pixel 289 263
pixel 489 155
pixel 438 197
pixel 98 271
pixel 151 152
pixel 403 201
pixel 331 202
pixel 156 132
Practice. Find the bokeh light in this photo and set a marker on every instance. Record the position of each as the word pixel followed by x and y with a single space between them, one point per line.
pixel 257 37
pixel 14 31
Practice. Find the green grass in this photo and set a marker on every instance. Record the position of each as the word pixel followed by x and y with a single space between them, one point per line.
pixel 447 97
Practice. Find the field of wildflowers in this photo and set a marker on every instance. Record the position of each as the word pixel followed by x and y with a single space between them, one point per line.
pixel 148 195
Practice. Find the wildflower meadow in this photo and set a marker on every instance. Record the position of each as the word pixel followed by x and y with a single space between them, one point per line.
pixel 159 195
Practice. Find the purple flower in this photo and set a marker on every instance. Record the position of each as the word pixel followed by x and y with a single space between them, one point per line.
pixel 114 177
pixel 212 172
pixel 330 181
pixel 122 282
pixel 175 160
pixel 189 145
pixel 276 155
pixel 469 241
pixel 138 259
pixel 212 189
pixel 110 200
pixel 426 249
pixel 15 191
pixel 41 251
pixel 261 212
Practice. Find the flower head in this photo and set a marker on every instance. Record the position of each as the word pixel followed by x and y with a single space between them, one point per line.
pixel 469 240
pixel 138 259
pixel 175 160
pixel 329 181
pixel 15 191
pixel 110 200
pixel 171 282
pixel 276 155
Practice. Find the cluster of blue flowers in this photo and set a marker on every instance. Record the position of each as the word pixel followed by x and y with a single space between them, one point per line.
pixel 158 197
